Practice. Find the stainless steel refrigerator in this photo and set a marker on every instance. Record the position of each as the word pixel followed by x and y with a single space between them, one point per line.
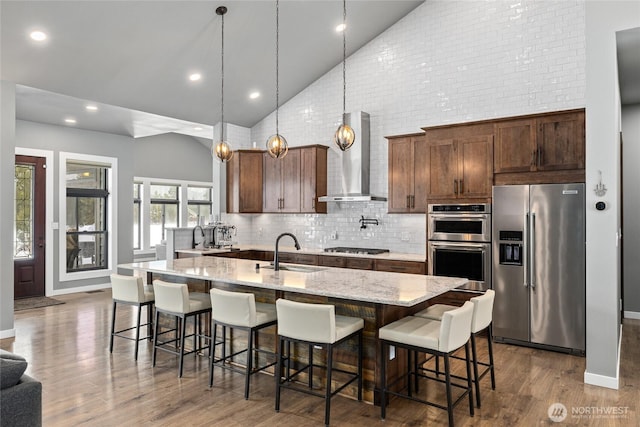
pixel 538 245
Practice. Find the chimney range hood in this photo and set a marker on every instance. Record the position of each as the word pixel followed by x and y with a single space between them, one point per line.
pixel 355 165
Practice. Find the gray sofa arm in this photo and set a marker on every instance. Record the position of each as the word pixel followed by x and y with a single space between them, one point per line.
pixel 21 405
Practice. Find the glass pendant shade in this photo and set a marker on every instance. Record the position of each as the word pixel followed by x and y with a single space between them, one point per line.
pixel 277 146
pixel 344 137
pixel 223 151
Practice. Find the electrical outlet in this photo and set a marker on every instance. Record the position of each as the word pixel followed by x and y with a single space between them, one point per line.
pixel 392 352
pixel 334 235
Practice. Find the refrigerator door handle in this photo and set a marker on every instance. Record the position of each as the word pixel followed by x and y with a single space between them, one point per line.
pixel 526 254
pixel 532 266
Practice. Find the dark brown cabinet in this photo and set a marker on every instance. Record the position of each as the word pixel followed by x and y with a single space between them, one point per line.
pixel 395 266
pixel 544 148
pixel 293 183
pixel 408 174
pixel 460 167
pixel 244 182
pixel 282 183
pixel 313 163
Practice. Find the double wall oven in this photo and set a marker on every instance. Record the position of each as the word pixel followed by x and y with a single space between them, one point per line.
pixel 459 242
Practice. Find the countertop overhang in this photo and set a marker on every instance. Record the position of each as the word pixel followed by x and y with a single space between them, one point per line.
pixel 380 287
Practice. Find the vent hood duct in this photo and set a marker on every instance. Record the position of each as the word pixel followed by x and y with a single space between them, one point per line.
pixel 355 164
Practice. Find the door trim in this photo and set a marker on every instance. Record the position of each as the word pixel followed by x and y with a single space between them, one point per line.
pixel 48 267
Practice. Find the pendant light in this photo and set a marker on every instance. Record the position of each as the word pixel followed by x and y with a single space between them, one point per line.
pixel 345 135
pixel 277 146
pixel 222 150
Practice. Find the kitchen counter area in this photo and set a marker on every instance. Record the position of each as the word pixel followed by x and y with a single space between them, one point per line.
pixel 378 297
pixel 395 256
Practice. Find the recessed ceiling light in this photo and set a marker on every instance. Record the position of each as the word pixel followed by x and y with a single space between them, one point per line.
pixel 195 77
pixel 91 107
pixel 38 36
pixel 340 28
pixel 70 121
pixel 254 95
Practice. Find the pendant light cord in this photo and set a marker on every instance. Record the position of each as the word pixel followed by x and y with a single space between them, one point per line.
pixel 277 65
pixel 222 84
pixel 344 58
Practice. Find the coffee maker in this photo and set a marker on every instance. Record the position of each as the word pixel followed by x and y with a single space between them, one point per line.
pixel 222 235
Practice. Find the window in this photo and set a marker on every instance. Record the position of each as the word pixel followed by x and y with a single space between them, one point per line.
pixel 23 227
pixel 198 205
pixel 137 216
pixel 86 217
pixel 163 211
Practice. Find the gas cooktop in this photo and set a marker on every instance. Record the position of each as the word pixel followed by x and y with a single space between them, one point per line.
pixel 364 251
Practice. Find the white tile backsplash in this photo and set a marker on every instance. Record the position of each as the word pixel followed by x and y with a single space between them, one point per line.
pixel 445 62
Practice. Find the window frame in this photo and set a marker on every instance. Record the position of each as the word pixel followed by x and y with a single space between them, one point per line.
pixel 111 220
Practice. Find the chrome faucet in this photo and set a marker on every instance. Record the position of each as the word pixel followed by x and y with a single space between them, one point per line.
pixel 276 264
pixel 194 236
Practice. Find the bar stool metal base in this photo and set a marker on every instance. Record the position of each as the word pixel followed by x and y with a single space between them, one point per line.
pixel 121 333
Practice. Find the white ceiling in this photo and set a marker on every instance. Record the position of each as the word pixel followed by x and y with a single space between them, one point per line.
pixel 133 58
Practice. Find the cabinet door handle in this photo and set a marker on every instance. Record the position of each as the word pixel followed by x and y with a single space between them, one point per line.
pixel 408 204
pixel 534 157
pixel 461 186
pixel 313 203
pixel 540 156
pixel 455 186
pixel 413 201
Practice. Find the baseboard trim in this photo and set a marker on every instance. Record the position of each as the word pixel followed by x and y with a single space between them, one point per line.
pixel 81 289
pixel 605 381
pixel 631 315
pixel 7 333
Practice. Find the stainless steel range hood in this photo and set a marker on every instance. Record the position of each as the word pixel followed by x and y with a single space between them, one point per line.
pixel 355 165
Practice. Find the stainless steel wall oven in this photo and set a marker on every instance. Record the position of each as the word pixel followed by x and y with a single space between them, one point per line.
pixel 459 242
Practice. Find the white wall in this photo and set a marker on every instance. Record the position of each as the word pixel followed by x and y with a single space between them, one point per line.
pixel 603 19
pixel 445 62
pixel 631 207
pixel 7 175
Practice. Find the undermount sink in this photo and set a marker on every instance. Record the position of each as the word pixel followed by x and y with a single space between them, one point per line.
pixel 296 268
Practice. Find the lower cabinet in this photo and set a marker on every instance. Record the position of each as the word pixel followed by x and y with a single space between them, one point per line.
pixel 394 266
pixel 356 263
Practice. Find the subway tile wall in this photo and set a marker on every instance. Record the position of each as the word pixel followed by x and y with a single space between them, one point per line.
pixel 445 62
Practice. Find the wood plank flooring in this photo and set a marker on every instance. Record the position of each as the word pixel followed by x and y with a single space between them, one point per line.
pixel 67 347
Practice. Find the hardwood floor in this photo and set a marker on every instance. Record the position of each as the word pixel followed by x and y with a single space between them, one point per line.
pixel 67 347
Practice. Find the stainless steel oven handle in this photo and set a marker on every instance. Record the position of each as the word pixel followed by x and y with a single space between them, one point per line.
pixel 469 247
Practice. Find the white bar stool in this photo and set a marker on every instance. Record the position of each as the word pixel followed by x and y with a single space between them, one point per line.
pixel 440 338
pixel 238 310
pixel 315 325
pixel 482 320
pixel 174 299
pixel 130 290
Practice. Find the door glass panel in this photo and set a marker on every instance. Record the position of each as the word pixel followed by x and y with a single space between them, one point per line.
pixel 23 203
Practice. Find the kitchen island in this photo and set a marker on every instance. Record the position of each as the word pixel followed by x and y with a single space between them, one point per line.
pixel 377 297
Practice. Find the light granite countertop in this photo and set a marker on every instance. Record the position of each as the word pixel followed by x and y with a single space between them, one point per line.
pixel 380 287
pixel 396 256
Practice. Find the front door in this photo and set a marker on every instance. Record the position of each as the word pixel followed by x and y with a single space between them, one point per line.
pixel 29 227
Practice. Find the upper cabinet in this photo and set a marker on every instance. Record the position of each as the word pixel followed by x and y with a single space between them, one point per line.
pixel 282 183
pixel 244 182
pixel 459 161
pixel 313 163
pixel 258 183
pixel 460 168
pixel 546 148
pixel 294 183
pixel 408 174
